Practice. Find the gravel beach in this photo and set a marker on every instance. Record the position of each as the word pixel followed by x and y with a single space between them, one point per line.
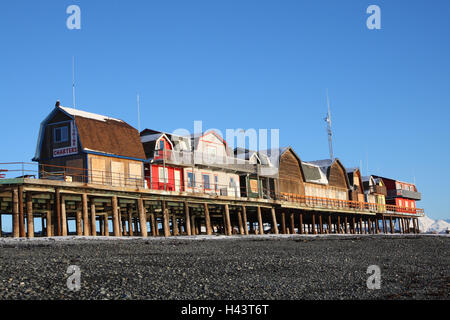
pixel 253 267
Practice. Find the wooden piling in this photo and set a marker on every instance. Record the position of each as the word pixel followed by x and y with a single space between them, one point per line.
pixel 329 224
pixel 78 223
pixel 130 221
pixel 63 216
pixel 339 223
pixel 115 217
pixel 313 224
pixel 106 220
pixel 142 218
pixel 30 220
pixel 21 214
pixel 292 222
pixel 208 220
pixel 227 220
pixel 187 220
pixel 244 216
pixel 240 224
pixel 260 221
pixel 320 223
pixel 84 200
pixel 274 221
pixel 15 218
pixel 301 223
pixel 50 226
pixel 166 225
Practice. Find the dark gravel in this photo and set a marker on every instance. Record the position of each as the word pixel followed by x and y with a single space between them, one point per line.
pixel 333 267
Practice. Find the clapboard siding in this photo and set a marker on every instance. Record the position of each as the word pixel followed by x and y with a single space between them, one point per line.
pixel 337 176
pixel 290 175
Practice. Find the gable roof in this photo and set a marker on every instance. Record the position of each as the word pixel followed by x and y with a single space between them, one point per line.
pixel 100 134
pixel 325 165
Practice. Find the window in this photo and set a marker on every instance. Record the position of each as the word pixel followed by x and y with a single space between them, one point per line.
pixel 206 183
pixel 161 144
pixel 191 180
pixel 216 182
pixel 163 175
pixel 60 134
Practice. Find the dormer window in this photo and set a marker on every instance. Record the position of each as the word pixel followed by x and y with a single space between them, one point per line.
pixel 60 134
pixel 161 144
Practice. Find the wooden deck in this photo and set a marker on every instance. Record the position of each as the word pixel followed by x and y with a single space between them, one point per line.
pixel 137 211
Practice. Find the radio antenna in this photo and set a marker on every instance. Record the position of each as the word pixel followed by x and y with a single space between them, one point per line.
pixel 330 132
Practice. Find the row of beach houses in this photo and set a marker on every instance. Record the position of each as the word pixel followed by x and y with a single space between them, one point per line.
pixel 79 146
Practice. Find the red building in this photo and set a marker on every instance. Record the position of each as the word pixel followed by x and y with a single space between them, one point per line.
pixel 159 173
pixel 401 194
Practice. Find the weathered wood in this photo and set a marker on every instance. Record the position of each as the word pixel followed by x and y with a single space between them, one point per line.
pixel 274 221
pixel 30 220
pixel 93 219
pixel 84 200
pixel 21 214
pixel 329 224
pixel 260 221
pixel 346 224
pixel 353 225
pixel 283 222
pixel 106 224
pixel 187 219
pixel 142 218
pixel 227 220
pixel 166 219
pixel 63 216
pixel 207 220
pixel 49 223
pixel 154 225
pixel 338 224
pixel 320 223
pixel 360 225
pixel 16 226
pixel 193 228
pixel 244 216
pixel 115 217
pixel 313 224
pixel 78 223
pixel 130 221
pixel 175 225
pixel 240 225
pixel 292 222
pixel 58 212
pixel 301 223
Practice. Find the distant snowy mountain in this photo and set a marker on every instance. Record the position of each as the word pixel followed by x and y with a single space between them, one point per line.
pixel 428 225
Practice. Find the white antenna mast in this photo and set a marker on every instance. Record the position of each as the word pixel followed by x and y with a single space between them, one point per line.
pixel 73 80
pixel 139 115
pixel 330 132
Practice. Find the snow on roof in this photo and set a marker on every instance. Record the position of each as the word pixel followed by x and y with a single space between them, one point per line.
pixel 85 114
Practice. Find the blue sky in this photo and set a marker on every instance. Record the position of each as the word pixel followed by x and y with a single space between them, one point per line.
pixel 244 64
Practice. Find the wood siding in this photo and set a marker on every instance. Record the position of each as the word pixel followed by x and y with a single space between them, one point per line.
pixel 290 174
pixel 337 176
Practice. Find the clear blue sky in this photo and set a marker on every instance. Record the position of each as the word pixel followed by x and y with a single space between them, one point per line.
pixel 244 64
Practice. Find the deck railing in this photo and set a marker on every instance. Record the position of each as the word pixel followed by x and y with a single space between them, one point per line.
pixel 70 174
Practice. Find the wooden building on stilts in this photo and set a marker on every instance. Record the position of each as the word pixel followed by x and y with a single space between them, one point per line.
pixel 108 179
